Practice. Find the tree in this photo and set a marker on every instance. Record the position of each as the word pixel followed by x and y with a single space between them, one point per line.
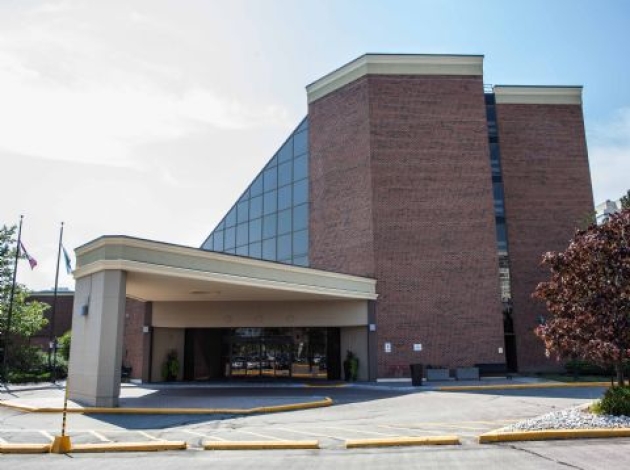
pixel 588 296
pixel 27 316
pixel 625 201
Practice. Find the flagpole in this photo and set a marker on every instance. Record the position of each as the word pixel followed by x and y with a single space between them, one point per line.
pixel 5 368
pixel 53 341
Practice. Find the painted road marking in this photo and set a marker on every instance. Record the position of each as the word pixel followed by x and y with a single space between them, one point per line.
pixel 2 441
pixel 311 434
pixel 259 435
pixel 149 436
pixel 194 433
pixel 99 436
pixel 47 435
pixel 358 431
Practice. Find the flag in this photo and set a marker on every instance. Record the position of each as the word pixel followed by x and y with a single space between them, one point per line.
pixel 66 258
pixel 32 261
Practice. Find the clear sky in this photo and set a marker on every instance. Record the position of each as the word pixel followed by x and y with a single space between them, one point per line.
pixel 149 118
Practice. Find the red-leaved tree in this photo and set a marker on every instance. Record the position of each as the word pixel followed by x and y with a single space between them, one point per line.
pixel 588 296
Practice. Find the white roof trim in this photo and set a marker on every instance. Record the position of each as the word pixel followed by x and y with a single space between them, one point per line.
pixel 395 64
pixel 507 94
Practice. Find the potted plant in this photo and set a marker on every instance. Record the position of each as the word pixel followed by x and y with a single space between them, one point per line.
pixel 351 367
pixel 170 368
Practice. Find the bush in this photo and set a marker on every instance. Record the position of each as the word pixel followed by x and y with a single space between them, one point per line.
pixel 616 401
pixel 64 345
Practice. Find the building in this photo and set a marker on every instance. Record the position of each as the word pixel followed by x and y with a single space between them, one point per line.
pixel 403 219
pixel 603 210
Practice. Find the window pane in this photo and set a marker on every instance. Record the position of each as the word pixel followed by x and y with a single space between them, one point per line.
pixel 230 219
pixel 243 211
pixel 303 126
pixel 257 186
pixel 284 174
pixel 255 230
pixel 230 238
pixel 255 207
pixel 209 243
pixel 284 197
pixel 242 250
pixel 221 225
pixel 300 167
pixel 231 251
pixel 301 261
pixel 271 178
pixel 269 226
pixel 269 249
pixel 255 250
pixel 284 221
pixel 300 217
pixel 501 236
pixel 286 152
pixel 300 143
pixel 270 203
pixel 218 240
pixel 300 192
pixel 284 247
pixel 300 243
pixel 242 234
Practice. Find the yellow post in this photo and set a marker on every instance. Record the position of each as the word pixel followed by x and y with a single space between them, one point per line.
pixel 61 444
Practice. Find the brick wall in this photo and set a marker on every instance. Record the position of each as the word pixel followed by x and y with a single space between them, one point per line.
pixel 136 347
pixel 407 198
pixel 63 317
pixel 547 193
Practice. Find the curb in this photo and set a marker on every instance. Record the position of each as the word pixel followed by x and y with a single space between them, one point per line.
pixel 129 447
pixel 403 441
pixel 552 434
pixel 454 388
pixel 259 445
pixel 176 411
pixel 24 448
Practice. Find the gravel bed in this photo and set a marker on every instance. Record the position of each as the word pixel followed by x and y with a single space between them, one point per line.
pixel 573 418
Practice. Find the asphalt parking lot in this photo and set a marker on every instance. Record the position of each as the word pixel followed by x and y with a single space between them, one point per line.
pixel 357 413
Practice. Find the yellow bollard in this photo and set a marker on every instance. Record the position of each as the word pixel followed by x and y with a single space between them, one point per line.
pixel 61 444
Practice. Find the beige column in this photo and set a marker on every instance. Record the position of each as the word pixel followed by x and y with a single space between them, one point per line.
pixel 97 333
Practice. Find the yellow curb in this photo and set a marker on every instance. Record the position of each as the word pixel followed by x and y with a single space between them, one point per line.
pixel 129 447
pixel 24 448
pixel 179 411
pixel 552 434
pixel 403 441
pixel 259 445
pixel 454 388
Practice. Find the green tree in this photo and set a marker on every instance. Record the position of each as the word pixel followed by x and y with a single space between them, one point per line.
pixel 625 201
pixel 588 296
pixel 27 317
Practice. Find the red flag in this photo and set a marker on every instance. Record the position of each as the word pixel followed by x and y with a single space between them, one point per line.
pixel 32 261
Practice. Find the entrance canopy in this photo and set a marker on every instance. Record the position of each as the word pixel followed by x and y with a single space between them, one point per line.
pixel 159 271
pixel 197 293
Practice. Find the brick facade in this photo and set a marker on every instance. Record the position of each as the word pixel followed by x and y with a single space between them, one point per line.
pixel 548 194
pixel 401 191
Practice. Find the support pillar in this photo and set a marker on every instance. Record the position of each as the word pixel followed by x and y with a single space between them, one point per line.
pixel 97 336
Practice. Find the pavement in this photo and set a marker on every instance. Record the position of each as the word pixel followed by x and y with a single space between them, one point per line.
pixel 206 416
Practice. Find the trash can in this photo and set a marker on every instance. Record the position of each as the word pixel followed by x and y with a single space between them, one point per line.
pixel 416 374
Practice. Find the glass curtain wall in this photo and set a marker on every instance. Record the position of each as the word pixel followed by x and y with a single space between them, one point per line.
pixel 270 219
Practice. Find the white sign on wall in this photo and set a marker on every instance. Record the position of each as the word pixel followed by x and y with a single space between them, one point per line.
pixel 388 347
pixel 417 347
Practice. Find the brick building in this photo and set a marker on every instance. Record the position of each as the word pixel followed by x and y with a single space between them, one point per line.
pixel 404 220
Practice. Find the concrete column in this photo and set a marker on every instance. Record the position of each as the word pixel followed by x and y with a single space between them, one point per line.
pixel 97 335
pixel 355 339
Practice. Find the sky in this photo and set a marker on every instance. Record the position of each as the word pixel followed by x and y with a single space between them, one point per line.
pixel 149 118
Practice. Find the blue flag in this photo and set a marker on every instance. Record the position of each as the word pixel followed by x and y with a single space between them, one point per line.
pixel 67 260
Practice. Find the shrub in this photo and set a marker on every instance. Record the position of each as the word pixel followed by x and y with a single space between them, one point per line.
pixel 64 345
pixel 616 401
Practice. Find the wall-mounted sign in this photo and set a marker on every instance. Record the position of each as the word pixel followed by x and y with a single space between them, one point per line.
pixel 388 347
pixel 417 347
pixel 372 326
pixel 500 350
